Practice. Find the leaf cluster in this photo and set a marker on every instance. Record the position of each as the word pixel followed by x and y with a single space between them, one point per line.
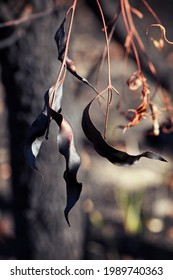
pixel 52 110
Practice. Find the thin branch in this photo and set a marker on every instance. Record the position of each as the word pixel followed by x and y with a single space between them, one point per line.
pixel 25 18
pixel 109 88
pixel 151 11
pixel 114 21
pixel 62 71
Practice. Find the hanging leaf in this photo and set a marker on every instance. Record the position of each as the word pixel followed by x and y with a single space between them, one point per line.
pixel 68 150
pixel 116 157
pixel 35 139
pixel 39 127
pixel 36 135
pixel 135 81
pixel 60 39
pixel 141 112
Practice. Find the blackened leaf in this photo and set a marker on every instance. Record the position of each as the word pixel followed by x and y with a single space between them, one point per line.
pixel 60 40
pixel 36 135
pixel 104 149
pixel 39 127
pixel 72 69
pixel 68 150
pixel 35 139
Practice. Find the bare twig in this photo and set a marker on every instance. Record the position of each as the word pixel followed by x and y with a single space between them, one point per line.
pixel 25 18
pixel 110 87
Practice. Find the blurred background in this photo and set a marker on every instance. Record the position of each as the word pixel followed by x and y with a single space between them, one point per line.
pixel 123 212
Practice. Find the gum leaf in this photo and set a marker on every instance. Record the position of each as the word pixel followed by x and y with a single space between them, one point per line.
pixel 115 156
pixel 39 128
pixel 36 136
pixel 67 149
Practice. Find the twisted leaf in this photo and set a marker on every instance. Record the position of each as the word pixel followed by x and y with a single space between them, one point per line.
pixel 39 127
pixel 115 156
pixel 36 135
pixel 60 39
pixel 68 150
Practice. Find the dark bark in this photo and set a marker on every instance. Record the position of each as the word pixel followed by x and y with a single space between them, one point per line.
pixel 29 68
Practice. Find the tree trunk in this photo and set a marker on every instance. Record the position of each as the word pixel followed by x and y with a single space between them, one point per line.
pixel 29 68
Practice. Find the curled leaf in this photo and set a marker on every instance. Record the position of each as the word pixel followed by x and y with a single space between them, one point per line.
pixel 115 156
pixel 135 81
pixel 60 39
pixel 36 135
pixel 35 139
pixel 141 110
pixel 139 113
pixel 68 150
pixel 39 127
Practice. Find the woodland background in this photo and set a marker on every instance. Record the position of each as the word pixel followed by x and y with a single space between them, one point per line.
pixel 123 212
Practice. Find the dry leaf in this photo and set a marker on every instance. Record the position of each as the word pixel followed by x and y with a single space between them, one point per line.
pixel 115 156
pixel 68 150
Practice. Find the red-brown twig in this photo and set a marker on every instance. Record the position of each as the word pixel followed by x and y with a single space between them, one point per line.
pixel 62 71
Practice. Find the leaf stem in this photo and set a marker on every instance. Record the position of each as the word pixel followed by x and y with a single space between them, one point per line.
pixel 109 88
pixel 62 71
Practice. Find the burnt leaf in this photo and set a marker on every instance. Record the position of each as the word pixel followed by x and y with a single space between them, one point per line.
pixel 72 69
pixel 135 81
pixel 37 132
pixel 35 138
pixel 115 156
pixel 60 39
pixel 68 150
pixel 36 135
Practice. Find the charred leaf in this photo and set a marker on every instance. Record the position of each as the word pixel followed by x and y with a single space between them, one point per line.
pixel 38 131
pixel 115 156
pixel 67 149
pixel 36 135
pixel 60 39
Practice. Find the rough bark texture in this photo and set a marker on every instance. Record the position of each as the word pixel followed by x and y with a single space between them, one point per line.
pixel 29 68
